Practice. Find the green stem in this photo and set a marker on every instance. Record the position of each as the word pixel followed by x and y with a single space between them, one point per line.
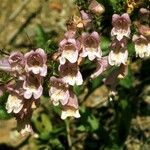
pixel 67 122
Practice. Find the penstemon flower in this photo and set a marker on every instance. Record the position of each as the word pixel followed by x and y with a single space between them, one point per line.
pixel 118 53
pixel 96 7
pixel 102 65
pixel 27 129
pixel 70 50
pixel 14 104
pixel 70 73
pixel 71 109
pixel 35 61
pixel 17 62
pixel 90 46
pixel 121 26
pixel 5 65
pixel 33 86
pixel 59 92
pixel 142 48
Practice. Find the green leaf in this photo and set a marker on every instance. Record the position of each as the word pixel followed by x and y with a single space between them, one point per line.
pixel 131 49
pixel 41 37
pixel 127 81
pixel 3 113
pixel 123 104
pixel 105 42
pixel 93 123
pixel 81 128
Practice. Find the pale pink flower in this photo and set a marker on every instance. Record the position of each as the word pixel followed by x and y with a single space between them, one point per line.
pixel 96 7
pixel 121 26
pixel 58 92
pixel 115 75
pixel 32 86
pixel 26 130
pixel 35 61
pixel 118 53
pixel 90 46
pixel 70 50
pixel 142 48
pixel 4 65
pixel 17 61
pixel 70 73
pixel 15 88
pixel 102 65
pixel 71 109
pixel 14 104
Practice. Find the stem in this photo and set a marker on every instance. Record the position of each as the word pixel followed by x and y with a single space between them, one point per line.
pixel 67 122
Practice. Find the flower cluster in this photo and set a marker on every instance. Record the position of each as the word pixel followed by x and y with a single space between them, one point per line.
pixel 120 32
pixel 25 88
pixel 28 70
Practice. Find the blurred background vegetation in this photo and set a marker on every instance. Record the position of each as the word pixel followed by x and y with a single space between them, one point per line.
pixel 123 123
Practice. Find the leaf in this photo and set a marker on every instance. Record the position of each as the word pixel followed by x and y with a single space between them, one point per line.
pixel 93 122
pixel 105 42
pixel 127 81
pixel 81 128
pixel 41 37
pixel 3 113
pixel 123 104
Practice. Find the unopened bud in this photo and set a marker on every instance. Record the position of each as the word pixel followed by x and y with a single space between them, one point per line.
pixel 96 7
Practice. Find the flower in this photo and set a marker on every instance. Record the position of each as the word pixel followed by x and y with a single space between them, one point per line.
pixel 32 86
pixel 14 104
pixel 71 108
pixel 70 73
pixel 58 91
pixel 144 15
pixel 142 48
pixel 115 75
pixel 90 43
pixel 70 50
pixel 102 65
pixel 35 61
pixel 121 26
pixel 15 88
pixel 118 53
pixel 26 130
pixel 4 65
pixel 96 7
pixel 16 61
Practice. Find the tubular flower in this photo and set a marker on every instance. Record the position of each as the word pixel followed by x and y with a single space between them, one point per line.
pixel 17 61
pixel 121 26
pixel 71 109
pixel 142 47
pixel 32 86
pixel 26 130
pixel 4 65
pixel 35 61
pixel 90 46
pixel 70 50
pixel 118 53
pixel 58 91
pixel 102 65
pixel 14 104
pixel 115 75
pixel 96 7
pixel 70 73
